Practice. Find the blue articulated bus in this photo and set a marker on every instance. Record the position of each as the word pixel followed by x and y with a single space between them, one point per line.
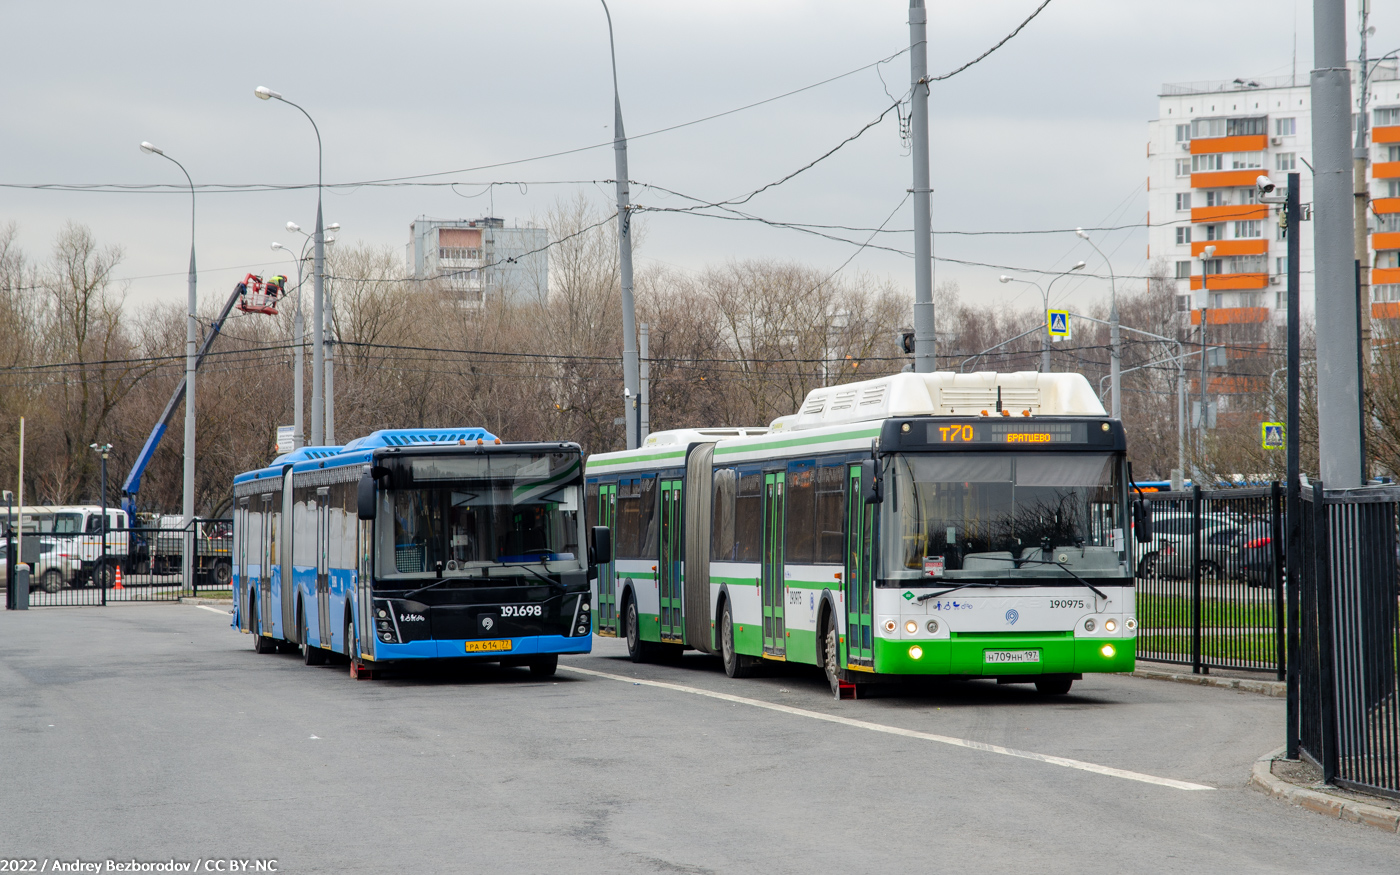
pixel 416 544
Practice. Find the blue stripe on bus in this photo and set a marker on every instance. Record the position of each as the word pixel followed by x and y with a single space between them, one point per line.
pixel 453 647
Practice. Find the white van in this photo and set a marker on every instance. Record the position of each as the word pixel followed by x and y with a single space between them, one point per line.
pixel 79 529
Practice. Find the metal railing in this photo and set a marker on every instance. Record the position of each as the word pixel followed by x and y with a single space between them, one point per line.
pixel 1345 692
pixel 141 564
pixel 1209 587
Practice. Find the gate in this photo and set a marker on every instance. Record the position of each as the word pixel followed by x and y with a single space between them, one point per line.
pixel 1345 696
pixel 134 565
pixel 1209 584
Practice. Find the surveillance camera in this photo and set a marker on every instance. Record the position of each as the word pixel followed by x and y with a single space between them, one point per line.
pixel 1265 184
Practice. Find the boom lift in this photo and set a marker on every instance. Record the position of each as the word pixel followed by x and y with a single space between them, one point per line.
pixel 252 296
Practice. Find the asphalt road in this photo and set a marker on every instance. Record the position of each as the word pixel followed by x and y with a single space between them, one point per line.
pixel 154 732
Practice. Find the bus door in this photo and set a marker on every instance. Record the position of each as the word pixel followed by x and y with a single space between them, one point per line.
pixel 607 570
pixel 773 577
pixel 365 626
pixel 668 568
pixel 860 521
pixel 240 537
pixel 265 568
pixel 323 555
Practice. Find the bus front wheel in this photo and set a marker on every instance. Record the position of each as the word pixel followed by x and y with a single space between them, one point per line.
pixel 736 665
pixel 544 666
pixel 637 649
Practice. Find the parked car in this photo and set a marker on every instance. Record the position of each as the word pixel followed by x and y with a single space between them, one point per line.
pixel 1170 552
pixel 57 566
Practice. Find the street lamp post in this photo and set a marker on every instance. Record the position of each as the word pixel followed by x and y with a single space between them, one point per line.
pixel 102 566
pixel 299 330
pixel 1045 308
pixel 1116 358
pixel 631 362
pixel 1206 254
pixel 191 330
pixel 318 396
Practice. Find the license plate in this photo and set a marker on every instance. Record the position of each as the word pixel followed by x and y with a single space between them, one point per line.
pixel 488 646
pixel 1002 656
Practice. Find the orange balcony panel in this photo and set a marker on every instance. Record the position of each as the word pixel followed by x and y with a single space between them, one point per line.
pixel 1212 145
pixel 1229 178
pixel 1386 134
pixel 1384 275
pixel 1257 246
pixel 1382 240
pixel 1381 170
pixel 1386 204
pixel 1222 281
pixel 1389 310
pixel 1233 315
pixel 1229 213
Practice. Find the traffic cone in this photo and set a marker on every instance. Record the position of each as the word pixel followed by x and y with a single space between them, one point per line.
pixel 119 578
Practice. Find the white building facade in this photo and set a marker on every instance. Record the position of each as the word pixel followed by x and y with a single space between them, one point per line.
pixel 475 259
pixel 1209 144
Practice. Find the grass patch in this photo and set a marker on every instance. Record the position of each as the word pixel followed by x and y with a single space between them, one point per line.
pixel 1174 612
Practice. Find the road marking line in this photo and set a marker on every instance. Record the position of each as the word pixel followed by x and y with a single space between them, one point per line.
pixel 907 733
pixel 215 610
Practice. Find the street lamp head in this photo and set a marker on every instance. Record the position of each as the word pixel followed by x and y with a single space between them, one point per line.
pixel 265 93
pixel 150 149
pixel 293 227
pixel 1079 266
pixel 1082 233
pixel 1208 251
pixel 333 226
pixel 1004 278
pixel 276 245
pixel 329 240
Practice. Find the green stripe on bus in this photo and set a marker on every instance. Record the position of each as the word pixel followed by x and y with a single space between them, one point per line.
pixel 595 462
pixel 796 442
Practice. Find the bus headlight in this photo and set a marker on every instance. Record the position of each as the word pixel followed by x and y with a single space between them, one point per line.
pixel 1089 625
pixel 1132 624
pixel 889 626
pixel 1110 625
pixel 932 626
pixel 911 626
pixel 916 652
pixel 585 607
pixel 1107 651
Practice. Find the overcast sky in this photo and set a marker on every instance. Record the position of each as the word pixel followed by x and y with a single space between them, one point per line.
pixel 1047 133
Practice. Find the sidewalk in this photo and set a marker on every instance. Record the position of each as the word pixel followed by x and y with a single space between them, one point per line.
pixel 1300 783
pixel 1249 682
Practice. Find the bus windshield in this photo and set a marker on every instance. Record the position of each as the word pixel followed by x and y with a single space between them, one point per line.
pixel 470 513
pixel 995 515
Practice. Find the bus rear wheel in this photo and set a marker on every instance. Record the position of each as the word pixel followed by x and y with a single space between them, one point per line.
pixel 736 665
pixel 544 666
pixel 261 643
pixel 637 649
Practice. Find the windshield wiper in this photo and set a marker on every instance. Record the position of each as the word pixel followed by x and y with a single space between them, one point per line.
pixel 1098 592
pixel 970 583
pixel 558 583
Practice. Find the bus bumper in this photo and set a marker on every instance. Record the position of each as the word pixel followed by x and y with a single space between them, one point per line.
pixel 454 648
pixel 967 656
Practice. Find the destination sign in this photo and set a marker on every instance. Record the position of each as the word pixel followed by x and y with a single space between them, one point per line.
pixel 993 432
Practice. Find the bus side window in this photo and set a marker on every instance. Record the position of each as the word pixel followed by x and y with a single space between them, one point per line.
pixel 748 517
pixel 831 513
pixel 722 516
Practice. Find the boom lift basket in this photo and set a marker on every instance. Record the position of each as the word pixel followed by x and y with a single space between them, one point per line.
pixel 253 296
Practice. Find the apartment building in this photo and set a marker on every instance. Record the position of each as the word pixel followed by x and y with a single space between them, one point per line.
pixel 475 259
pixel 1206 148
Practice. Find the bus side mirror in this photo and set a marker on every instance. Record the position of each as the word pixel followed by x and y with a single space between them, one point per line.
pixel 364 497
pixel 599 546
pixel 1142 522
pixel 870 489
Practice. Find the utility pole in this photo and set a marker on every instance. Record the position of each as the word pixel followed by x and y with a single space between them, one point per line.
pixel 1338 391
pixel 1206 254
pixel 631 372
pixel 924 361
pixel 1362 199
pixel 1293 496
pixel 644 428
pixel 1114 336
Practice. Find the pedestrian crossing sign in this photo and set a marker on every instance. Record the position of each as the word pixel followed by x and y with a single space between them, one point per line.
pixel 1057 324
pixel 1271 434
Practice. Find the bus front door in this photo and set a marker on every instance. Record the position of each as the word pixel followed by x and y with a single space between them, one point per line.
pixel 858 595
pixel 668 567
pixel 265 615
pixel 607 571
pixel 773 578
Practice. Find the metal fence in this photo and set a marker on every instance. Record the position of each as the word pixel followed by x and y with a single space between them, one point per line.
pixel 1209 587
pixel 141 564
pixel 1344 697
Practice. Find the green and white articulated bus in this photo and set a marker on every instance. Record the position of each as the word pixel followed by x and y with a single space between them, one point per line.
pixel 916 525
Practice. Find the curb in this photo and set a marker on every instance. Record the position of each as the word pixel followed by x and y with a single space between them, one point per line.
pixel 1265 781
pixel 1273 689
pixel 218 603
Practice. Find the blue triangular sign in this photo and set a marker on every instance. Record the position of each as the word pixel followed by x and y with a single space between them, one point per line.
pixel 1057 322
